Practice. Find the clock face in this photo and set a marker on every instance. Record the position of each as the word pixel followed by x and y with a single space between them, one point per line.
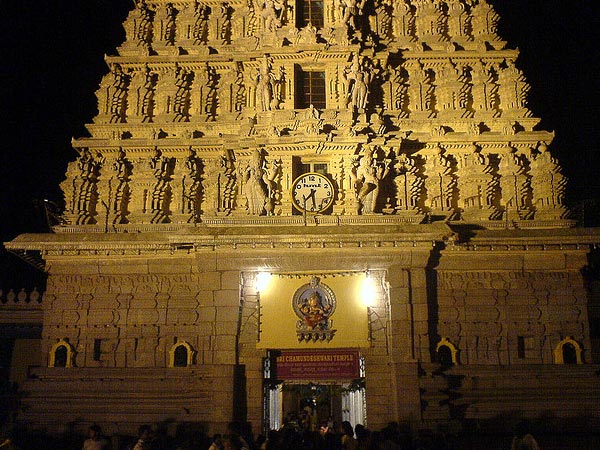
pixel 312 192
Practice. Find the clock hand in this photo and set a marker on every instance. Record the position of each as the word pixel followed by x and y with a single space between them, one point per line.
pixel 312 197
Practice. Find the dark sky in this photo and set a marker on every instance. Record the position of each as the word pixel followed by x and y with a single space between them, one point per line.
pixel 52 62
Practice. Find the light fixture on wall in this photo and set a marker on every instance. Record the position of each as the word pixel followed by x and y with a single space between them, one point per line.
pixel 262 281
pixel 368 290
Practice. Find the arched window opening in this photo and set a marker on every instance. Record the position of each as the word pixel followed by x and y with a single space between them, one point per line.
pixel 568 351
pixel 61 354
pixel 569 354
pixel 181 354
pixel 446 353
pixel 444 356
pixel 180 357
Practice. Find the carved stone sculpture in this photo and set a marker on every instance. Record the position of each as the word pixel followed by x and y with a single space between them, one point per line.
pixel 368 176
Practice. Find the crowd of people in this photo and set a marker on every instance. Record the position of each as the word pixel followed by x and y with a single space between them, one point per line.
pixel 292 436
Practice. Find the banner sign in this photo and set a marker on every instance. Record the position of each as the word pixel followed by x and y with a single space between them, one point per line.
pixel 315 365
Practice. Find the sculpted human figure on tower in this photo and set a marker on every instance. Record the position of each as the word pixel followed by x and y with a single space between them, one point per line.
pixel 271 13
pixel 358 79
pixel 348 11
pixel 367 177
pixel 265 84
pixel 254 186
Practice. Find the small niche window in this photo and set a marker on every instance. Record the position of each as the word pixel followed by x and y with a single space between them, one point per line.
pixel 97 349
pixel 309 12
pixel 568 351
pixel 61 354
pixel 595 328
pixel 306 167
pixel 310 89
pixel 446 353
pixel 181 355
pixel 525 347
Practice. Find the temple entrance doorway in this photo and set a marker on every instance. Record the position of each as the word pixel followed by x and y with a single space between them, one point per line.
pixel 301 389
pixel 310 405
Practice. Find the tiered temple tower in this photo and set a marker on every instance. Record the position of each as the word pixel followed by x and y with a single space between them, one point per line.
pixel 312 140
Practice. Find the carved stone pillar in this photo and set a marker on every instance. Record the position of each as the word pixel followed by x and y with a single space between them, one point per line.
pixel 138 31
pixel 140 96
pixel 474 181
pixel 420 91
pixel 548 186
pixel 165 30
pixel 439 182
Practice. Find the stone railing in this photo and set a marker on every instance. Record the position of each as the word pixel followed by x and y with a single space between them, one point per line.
pixel 22 298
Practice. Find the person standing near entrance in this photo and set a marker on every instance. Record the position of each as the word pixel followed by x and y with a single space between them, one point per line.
pixel 348 441
pixel 95 440
pixel 523 440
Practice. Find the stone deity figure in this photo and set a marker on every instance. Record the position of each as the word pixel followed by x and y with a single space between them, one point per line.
pixel 367 178
pixel 254 186
pixel 271 12
pixel 266 84
pixel 348 11
pixel 257 185
pixel 357 79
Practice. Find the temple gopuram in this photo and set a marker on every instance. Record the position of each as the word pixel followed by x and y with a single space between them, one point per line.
pixel 339 205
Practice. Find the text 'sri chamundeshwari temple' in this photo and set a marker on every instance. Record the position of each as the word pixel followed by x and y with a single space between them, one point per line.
pixel 333 203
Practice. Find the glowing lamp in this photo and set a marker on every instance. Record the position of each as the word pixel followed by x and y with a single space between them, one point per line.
pixel 262 281
pixel 368 291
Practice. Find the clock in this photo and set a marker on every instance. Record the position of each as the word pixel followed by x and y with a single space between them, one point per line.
pixel 312 192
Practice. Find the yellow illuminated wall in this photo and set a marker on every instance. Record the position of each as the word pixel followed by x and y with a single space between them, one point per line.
pixel 278 320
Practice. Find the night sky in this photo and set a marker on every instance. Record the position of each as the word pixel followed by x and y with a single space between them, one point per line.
pixel 52 62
